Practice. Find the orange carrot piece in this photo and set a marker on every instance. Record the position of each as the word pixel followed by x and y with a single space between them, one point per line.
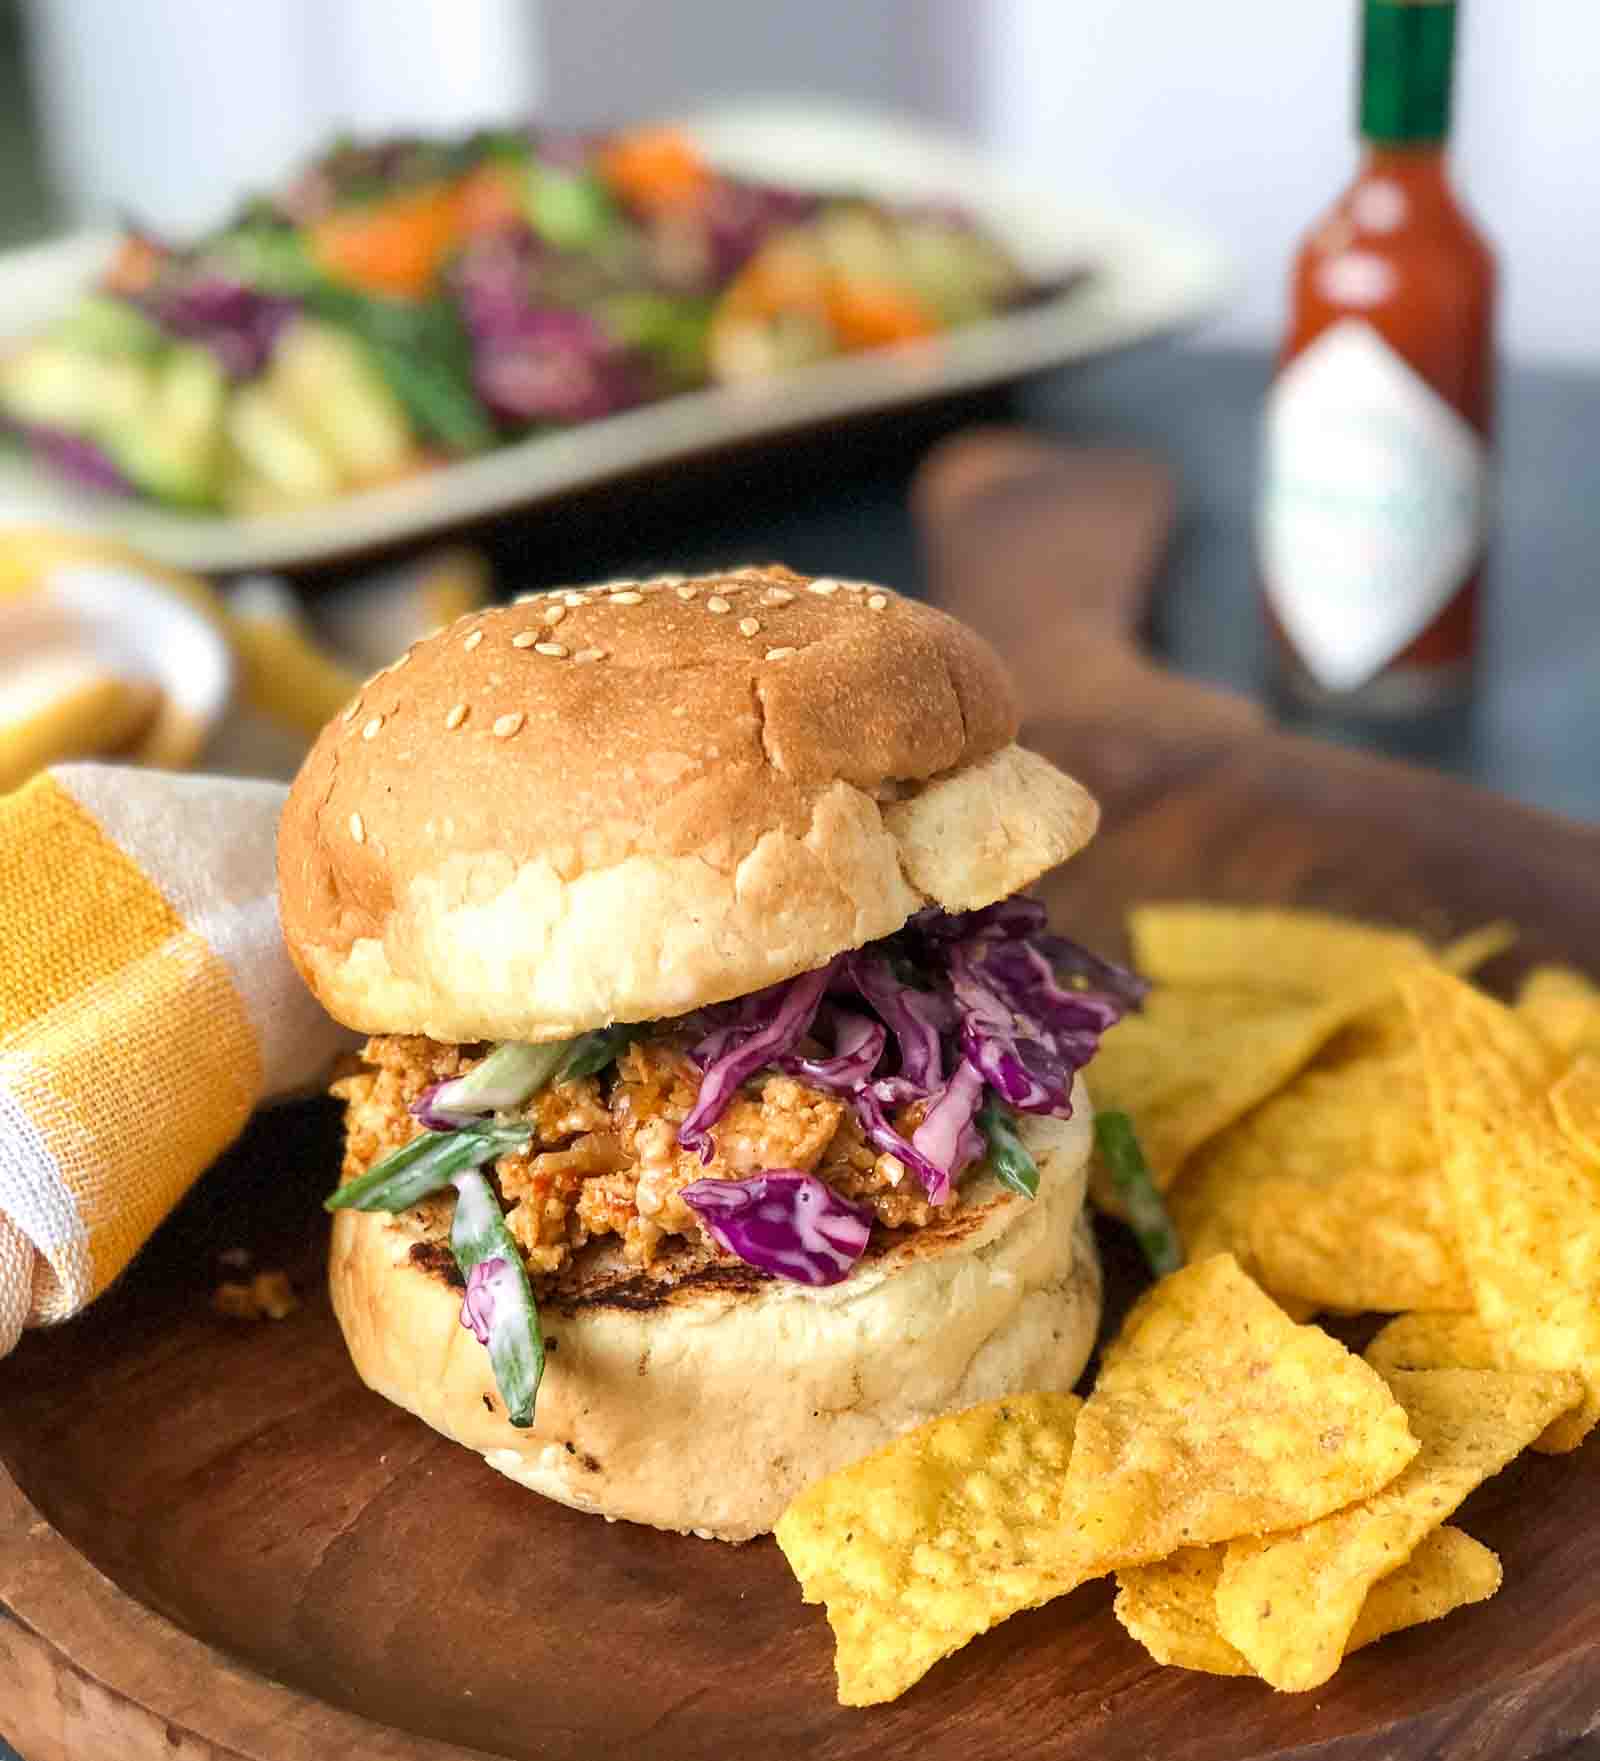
pixel 784 276
pixel 654 168
pixel 487 197
pixel 134 266
pixel 394 247
pixel 872 314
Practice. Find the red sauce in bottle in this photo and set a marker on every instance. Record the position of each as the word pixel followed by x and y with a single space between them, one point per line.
pixel 1376 482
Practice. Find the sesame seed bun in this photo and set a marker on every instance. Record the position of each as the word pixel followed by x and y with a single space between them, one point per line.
pixel 704 1397
pixel 619 803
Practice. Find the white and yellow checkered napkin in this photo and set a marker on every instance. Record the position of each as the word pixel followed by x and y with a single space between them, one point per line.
pixel 146 1007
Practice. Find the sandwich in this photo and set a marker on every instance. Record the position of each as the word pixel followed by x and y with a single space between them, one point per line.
pixel 721 1115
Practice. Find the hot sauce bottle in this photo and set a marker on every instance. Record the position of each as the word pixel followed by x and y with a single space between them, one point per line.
pixel 1376 480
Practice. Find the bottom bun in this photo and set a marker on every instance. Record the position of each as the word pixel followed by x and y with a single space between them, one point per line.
pixel 702 1396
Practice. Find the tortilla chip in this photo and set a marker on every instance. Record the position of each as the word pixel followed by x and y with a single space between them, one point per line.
pixel 1527 1202
pixel 1307 954
pixel 934 1538
pixel 1575 1101
pixel 1331 1191
pixel 1477 947
pixel 1290 1602
pixel 1434 1342
pixel 1449 1570
pixel 1171 1607
pixel 1563 1008
pixel 1191 1062
pixel 1382 1034
pixel 1214 1415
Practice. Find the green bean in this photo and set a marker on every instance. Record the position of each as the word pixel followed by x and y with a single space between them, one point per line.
pixel 426 1165
pixel 1008 1155
pixel 592 1052
pixel 499 1305
pixel 1130 1175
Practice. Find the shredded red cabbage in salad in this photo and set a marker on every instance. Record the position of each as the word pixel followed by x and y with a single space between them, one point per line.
pixel 74 456
pixel 198 303
pixel 535 358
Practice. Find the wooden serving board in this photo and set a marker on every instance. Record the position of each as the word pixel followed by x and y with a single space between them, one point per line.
pixel 214 1543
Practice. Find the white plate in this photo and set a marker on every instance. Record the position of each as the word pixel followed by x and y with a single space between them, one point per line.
pixel 1147 277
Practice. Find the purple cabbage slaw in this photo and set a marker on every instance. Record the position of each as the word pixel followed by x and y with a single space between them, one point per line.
pixel 478 1304
pixel 784 1222
pixel 973 1001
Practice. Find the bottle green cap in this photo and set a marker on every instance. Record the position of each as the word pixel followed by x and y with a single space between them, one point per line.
pixel 1407 49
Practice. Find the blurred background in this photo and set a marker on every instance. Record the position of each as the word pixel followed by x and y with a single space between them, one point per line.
pixel 1227 133
pixel 1234 115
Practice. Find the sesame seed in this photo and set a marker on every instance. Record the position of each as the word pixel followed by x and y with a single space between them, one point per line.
pixel 666 580
pixel 506 725
pixel 573 599
pixel 749 627
pixel 474 639
pixel 628 598
pixel 877 602
pixel 716 603
pixel 585 655
pixel 555 614
pixel 556 650
pixel 524 638
pixel 776 596
pixel 351 710
pixel 855 586
pixel 824 587
pixel 372 729
pixel 687 592
pixel 780 653
pixel 457 715
pixel 358 829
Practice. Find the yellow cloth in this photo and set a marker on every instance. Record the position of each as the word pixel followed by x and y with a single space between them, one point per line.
pixel 147 1005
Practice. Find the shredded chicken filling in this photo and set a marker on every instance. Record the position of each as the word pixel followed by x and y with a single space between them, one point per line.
pixel 604 1158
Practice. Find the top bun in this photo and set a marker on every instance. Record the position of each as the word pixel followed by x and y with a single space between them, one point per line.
pixel 622 802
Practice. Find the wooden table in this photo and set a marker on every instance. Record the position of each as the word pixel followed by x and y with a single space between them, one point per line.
pixel 1539 719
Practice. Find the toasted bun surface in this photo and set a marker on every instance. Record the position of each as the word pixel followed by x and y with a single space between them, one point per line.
pixel 677 792
pixel 706 1405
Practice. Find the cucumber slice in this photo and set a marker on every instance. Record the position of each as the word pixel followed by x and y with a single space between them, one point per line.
pixel 273 447
pixel 107 326
pixel 671 330
pixel 264 254
pixel 571 211
pixel 172 449
pixel 328 385
pixel 961 275
pixel 59 386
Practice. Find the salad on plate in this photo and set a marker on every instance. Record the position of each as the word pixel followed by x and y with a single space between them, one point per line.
pixel 398 305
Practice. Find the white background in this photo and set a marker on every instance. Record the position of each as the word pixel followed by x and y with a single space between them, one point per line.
pixel 1233 113
pixel 1239 113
